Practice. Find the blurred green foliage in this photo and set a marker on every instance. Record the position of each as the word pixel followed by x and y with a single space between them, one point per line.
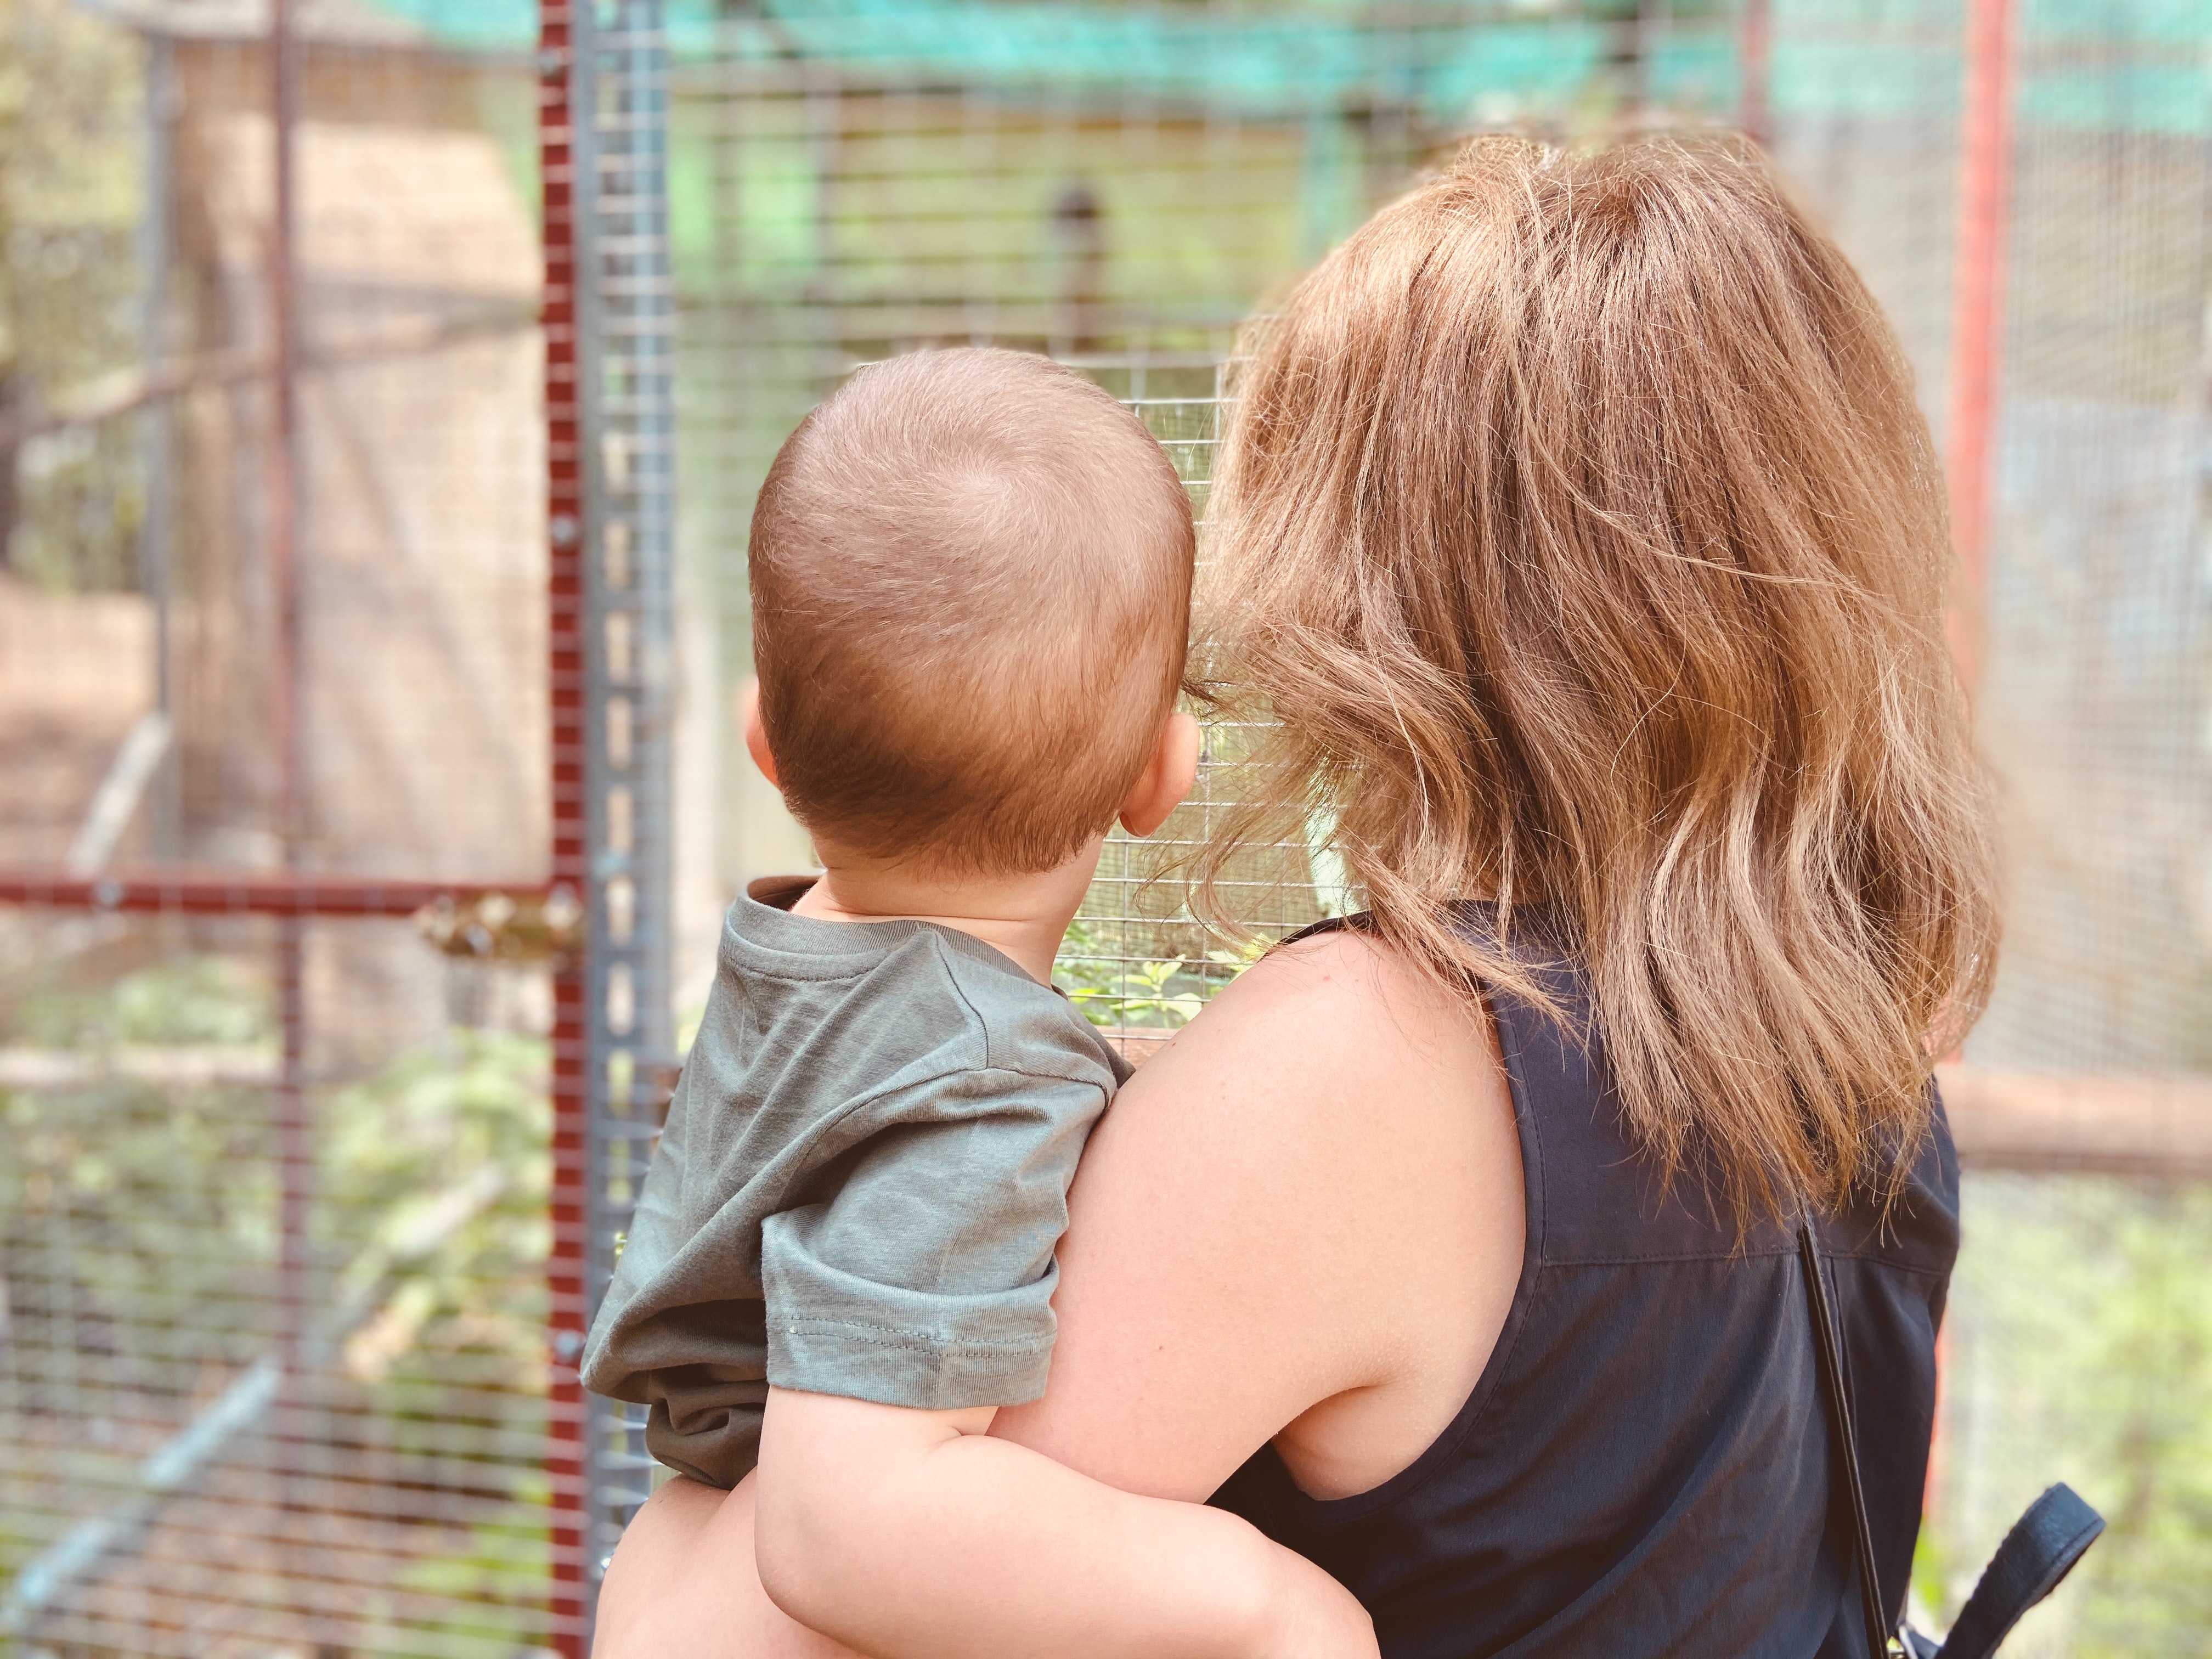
pixel 137 1246
pixel 2080 1349
pixel 198 999
pixel 1106 969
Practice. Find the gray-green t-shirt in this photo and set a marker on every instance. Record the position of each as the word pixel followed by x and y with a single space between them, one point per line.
pixel 861 1185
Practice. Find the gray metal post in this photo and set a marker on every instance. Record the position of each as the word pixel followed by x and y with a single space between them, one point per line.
pixel 628 378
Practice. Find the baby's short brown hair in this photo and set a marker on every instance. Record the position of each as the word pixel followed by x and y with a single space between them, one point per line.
pixel 970 577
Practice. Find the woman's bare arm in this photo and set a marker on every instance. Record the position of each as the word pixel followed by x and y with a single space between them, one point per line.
pixel 910 1534
pixel 1302 1220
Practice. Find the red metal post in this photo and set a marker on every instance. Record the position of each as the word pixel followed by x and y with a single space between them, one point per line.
pixel 282 462
pixel 564 461
pixel 295 1148
pixel 1977 313
pixel 1977 328
pixel 1754 51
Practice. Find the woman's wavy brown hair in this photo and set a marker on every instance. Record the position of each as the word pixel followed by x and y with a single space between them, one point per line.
pixel 1577 531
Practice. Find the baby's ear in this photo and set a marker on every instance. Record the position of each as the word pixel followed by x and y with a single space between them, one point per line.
pixel 749 722
pixel 1166 779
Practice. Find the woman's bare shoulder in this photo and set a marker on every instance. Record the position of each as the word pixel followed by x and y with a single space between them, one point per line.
pixel 1258 1225
pixel 1350 995
pixel 1337 1034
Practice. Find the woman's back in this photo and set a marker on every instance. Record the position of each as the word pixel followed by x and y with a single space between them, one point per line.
pixel 1644 1466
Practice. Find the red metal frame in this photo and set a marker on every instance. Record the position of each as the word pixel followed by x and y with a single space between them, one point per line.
pixel 294 1157
pixel 293 897
pixel 1985 176
pixel 1754 52
pixel 228 893
pixel 565 518
pixel 1977 321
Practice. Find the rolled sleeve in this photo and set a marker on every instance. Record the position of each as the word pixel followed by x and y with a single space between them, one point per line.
pixel 869 1340
pixel 925 1278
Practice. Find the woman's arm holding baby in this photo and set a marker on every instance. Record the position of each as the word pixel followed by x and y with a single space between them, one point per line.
pixel 910 1534
pixel 1257 1242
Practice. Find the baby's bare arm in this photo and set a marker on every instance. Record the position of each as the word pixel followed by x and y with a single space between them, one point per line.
pixel 910 1534
pixel 682 1585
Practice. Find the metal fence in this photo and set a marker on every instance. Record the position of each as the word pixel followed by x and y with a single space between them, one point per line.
pixel 318 784
pixel 370 805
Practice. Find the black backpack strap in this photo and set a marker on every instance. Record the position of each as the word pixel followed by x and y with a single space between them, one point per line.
pixel 1828 1338
pixel 2041 1549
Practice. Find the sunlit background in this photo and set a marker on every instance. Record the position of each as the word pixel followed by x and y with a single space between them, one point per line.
pixel 379 419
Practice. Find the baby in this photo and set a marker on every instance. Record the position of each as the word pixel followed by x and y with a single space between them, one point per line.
pixel 971 587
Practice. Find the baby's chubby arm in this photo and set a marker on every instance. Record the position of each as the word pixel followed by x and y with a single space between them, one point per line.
pixel 683 1586
pixel 910 1534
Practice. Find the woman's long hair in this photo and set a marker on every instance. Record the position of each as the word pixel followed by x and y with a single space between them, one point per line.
pixel 1577 531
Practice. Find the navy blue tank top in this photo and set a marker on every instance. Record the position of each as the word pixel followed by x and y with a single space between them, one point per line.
pixel 1644 1466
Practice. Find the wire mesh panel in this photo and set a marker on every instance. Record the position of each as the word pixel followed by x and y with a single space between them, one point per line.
pixel 274 984
pixel 2097 602
pixel 370 805
pixel 2026 189
pixel 2095 702
pixel 181 1477
pixel 1119 187
pixel 1118 184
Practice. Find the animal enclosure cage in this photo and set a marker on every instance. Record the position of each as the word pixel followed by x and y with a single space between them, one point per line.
pixel 384 389
pixel 303 1029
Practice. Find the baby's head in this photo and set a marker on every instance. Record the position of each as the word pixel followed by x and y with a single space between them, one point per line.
pixel 971 598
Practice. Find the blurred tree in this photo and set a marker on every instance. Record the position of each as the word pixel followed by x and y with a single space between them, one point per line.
pixel 71 100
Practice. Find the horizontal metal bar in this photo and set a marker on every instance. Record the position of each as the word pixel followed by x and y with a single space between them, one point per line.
pixel 115 395
pixel 204 892
pixel 2085 1123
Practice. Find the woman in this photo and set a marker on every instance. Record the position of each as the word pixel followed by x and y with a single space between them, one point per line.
pixel 1577 527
